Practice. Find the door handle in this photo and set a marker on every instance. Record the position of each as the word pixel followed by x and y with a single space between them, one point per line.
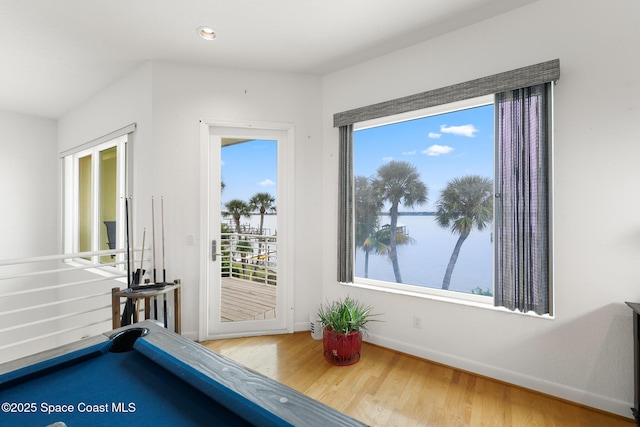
pixel 213 250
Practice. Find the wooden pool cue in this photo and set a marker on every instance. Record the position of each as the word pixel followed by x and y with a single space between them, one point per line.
pixel 164 271
pixel 128 307
pixel 141 271
pixel 153 253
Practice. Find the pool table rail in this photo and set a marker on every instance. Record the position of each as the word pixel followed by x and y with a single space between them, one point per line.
pixel 209 371
pixel 49 355
pixel 285 402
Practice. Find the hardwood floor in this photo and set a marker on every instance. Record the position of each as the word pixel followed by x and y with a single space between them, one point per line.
pixel 388 388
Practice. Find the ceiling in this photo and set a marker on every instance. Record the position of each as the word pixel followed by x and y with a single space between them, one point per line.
pixel 54 55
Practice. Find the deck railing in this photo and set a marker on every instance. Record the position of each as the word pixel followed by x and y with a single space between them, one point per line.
pixel 53 300
pixel 250 257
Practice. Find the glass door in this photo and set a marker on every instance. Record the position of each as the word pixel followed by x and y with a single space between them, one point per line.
pixel 247 282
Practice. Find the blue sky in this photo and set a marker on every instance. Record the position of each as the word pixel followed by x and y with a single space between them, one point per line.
pixel 249 168
pixel 441 147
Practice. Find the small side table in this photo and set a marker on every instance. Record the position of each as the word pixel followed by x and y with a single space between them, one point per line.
pixel 146 295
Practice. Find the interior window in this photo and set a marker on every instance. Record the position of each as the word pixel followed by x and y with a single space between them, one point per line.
pixel 95 182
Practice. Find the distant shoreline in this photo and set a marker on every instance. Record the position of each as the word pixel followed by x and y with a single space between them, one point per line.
pixel 379 213
pixel 411 213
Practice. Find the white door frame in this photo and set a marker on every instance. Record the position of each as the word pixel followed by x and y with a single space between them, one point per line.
pixel 285 183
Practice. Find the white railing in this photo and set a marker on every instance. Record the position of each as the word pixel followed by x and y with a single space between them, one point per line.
pixel 249 257
pixel 53 300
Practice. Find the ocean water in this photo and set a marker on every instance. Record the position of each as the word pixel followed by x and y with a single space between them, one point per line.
pixel 424 262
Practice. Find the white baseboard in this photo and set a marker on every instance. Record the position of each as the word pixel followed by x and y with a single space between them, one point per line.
pixel 302 326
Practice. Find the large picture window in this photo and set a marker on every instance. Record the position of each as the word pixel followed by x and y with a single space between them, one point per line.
pixel 429 179
pixel 453 202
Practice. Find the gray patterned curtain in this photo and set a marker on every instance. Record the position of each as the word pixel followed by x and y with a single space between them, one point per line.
pixel 522 200
pixel 345 204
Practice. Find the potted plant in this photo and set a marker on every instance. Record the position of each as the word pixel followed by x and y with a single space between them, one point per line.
pixel 344 322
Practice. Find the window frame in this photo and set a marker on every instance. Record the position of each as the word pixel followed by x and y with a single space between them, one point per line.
pixel 122 140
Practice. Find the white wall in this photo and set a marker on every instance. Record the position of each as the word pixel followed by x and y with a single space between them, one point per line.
pixel 167 101
pixel 29 203
pixel 28 213
pixel 585 353
pixel 126 101
pixel 183 95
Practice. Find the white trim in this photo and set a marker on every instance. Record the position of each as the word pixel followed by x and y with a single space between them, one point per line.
pixel 426 112
pixel 286 190
pixel 68 180
pixel 551 255
pixel 283 126
pixel 203 315
pixel 469 300
pixel 105 138
pixel 416 290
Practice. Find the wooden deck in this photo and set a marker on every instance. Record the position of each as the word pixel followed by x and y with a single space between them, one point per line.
pixel 245 300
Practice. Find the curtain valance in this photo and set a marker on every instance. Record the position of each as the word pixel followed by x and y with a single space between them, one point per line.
pixel 544 72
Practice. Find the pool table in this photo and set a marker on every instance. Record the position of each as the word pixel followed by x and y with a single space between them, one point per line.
pixel 145 375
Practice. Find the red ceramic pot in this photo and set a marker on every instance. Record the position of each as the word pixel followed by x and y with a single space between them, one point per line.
pixel 342 349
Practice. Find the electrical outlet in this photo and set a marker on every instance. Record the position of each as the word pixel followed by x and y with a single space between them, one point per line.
pixel 417 322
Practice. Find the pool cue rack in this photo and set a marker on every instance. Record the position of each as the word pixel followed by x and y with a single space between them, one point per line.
pixel 137 292
pixel 145 294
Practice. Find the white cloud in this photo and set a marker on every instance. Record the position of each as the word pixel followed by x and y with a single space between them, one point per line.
pixel 409 153
pixel 266 183
pixel 387 159
pixel 434 135
pixel 464 130
pixel 436 150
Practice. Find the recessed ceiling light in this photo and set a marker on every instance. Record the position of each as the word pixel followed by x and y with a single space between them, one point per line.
pixel 207 33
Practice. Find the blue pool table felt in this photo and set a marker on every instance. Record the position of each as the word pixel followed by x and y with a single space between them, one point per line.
pixel 154 388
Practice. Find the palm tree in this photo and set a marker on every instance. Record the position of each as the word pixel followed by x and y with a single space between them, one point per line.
pixel 367 207
pixel 263 202
pixel 398 182
pixel 380 241
pixel 464 203
pixel 237 208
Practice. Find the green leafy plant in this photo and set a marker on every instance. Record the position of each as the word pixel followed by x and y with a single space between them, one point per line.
pixel 479 291
pixel 345 316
